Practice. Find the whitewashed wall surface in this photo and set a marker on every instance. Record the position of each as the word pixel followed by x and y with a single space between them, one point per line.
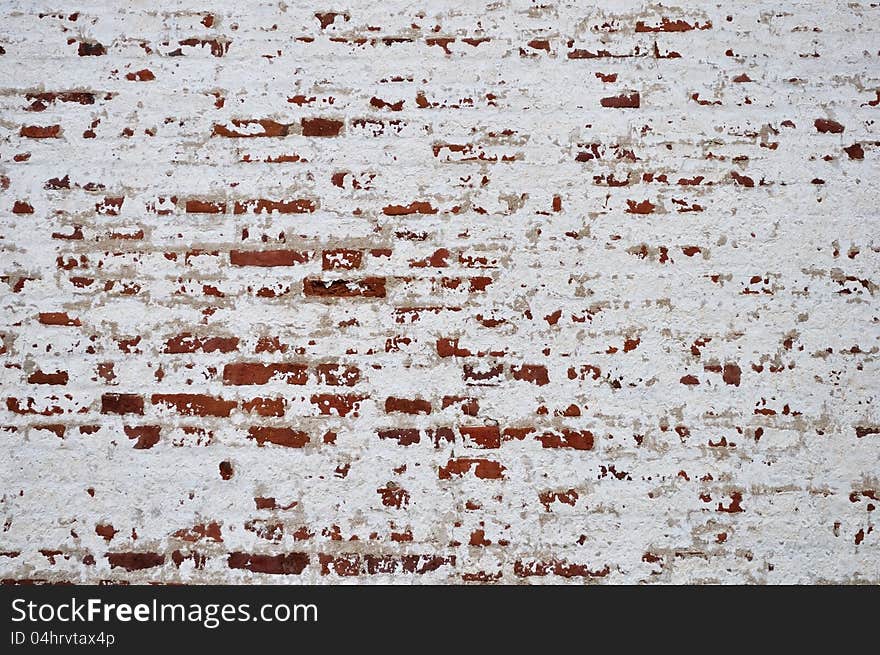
pixel 439 292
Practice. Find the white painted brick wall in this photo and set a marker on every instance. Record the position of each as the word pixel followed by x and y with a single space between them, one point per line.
pixel 563 292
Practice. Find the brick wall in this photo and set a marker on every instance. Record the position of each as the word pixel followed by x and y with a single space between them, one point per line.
pixel 439 292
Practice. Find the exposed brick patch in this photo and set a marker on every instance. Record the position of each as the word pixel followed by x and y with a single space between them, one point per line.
pixel 247 373
pixel 321 127
pixel 279 436
pixel 286 564
pixel 194 404
pixel 373 287
pixel 249 128
pixel 122 403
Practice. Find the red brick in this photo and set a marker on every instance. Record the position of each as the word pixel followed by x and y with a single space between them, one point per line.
pixel 321 127
pixel 194 404
pixel 255 373
pixel 279 436
pixel 284 564
pixel 122 403
pixel 371 287
pixel 267 257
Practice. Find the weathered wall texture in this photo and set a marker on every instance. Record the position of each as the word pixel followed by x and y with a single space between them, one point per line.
pixel 439 292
